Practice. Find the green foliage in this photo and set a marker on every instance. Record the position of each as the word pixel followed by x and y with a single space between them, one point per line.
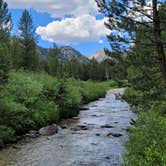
pixel 160 106
pixel 29 58
pixel 147 141
pixel 45 112
pixel 23 88
pixel 5 23
pixel 146 144
pixel 16 52
pixel 15 115
pixel 6 133
pixel 5 28
pixel 134 97
pixel 31 100
pixel 5 62
pixel 90 91
pixel 53 63
pixel 123 83
pixel 113 83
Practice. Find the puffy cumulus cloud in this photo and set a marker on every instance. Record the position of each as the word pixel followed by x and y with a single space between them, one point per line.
pixel 57 8
pixel 74 30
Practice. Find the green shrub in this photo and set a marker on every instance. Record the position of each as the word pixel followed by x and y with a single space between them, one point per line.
pixel 113 83
pixel 45 112
pixel 159 107
pixel 6 133
pixel 134 97
pixel 146 145
pixel 15 115
pixel 23 88
pixel 68 99
pixel 91 91
pixel 123 83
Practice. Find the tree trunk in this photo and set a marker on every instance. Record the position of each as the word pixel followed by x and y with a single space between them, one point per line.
pixel 158 40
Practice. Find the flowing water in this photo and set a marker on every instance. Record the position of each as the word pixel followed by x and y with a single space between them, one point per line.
pixel 95 138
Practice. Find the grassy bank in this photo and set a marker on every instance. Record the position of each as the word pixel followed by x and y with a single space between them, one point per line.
pixel 146 145
pixel 31 100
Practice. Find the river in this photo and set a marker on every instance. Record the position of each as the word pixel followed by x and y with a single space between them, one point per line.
pixel 94 138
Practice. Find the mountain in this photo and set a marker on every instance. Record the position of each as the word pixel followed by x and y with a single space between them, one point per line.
pixel 99 56
pixel 67 53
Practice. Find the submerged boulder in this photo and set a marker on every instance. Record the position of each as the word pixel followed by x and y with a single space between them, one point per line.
pixel 107 126
pixel 80 127
pixel 49 130
pixel 115 134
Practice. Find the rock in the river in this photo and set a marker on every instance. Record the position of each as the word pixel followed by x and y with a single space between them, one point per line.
pixel 114 134
pixel 75 118
pixel 2 145
pixel 94 106
pixel 32 134
pixel 118 96
pixel 84 108
pixel 107 126
pixel 64 126
pixel 80 127
pixel 49 130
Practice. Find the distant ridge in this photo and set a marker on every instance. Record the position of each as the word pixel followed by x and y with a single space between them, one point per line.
pixel 99 56
pixel 67 53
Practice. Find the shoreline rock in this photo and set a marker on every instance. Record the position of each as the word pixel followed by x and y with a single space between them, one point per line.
pixel 32 134
pixel 49 130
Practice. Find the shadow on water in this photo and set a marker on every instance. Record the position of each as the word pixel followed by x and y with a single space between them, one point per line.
pixel 95 138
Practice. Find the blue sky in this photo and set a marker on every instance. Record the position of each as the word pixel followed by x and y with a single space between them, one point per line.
pixel 78 25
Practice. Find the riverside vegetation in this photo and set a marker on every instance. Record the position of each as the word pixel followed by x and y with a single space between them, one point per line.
pixel 31 100
pixel 140 51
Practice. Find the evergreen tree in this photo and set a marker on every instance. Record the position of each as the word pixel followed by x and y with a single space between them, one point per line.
pixel 16 52
pixel 74 68
pixel 29 56
pixel 53 64
pixel 5 21
pixel 5 28
pixel 125 18
pixel 93 70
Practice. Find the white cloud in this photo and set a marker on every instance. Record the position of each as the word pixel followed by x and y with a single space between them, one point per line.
pixel 81 26
pixel 57 8
pixel 74 30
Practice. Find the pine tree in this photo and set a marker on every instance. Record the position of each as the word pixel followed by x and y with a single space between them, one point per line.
pixel 5 28
pixel 29 56
pixel 5 21
pixel 16 52
pixel 53 64
pixel 93 70
pixel 125 18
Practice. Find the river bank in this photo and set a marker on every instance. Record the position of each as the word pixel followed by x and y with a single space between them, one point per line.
pixel 31 100
pixel 95 137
